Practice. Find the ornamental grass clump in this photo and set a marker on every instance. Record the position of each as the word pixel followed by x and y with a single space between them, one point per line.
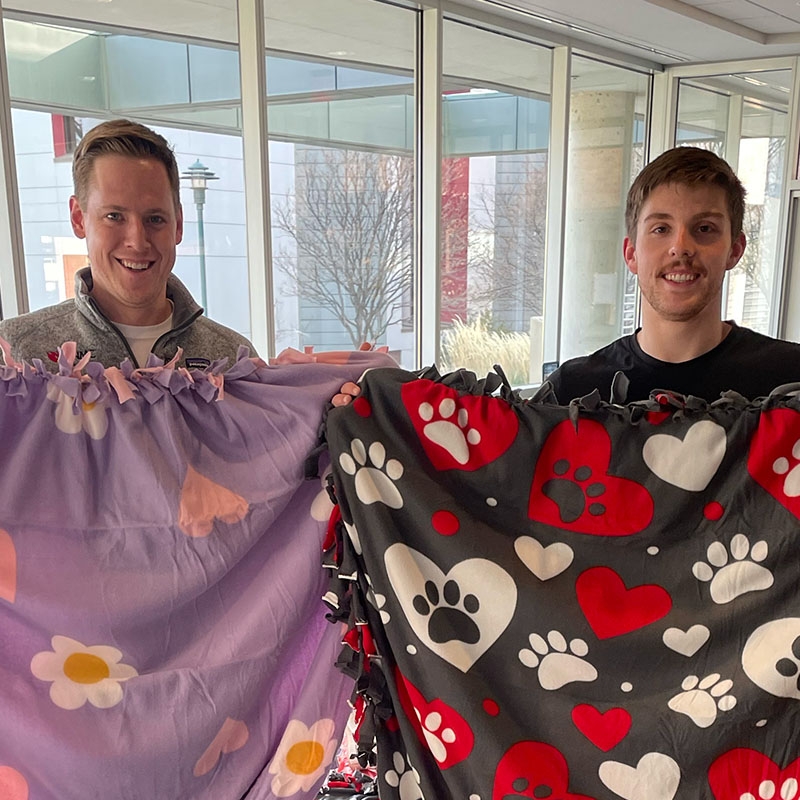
pixel 475 346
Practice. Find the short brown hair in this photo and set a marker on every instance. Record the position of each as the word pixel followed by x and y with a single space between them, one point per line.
pixel 122 137
pixel 689 166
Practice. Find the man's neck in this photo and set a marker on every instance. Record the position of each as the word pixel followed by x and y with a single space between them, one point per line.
pixel 676 342
pixel 127 315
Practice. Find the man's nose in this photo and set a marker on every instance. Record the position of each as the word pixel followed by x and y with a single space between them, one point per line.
pixel 682 244
pixel 136 234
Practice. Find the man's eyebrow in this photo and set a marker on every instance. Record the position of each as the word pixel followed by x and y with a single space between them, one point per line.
pixel 656 215
pixel 708 214
pixel 112 207
pixel 663 215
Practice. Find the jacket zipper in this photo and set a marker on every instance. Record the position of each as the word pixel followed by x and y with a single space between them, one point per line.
pixel 114 328
pixel 182 328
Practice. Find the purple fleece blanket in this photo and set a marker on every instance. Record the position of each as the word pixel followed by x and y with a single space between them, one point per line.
pixel 161 629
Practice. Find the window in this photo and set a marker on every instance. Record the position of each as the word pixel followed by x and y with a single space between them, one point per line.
pixel 496 128
pixel 744 119
pixel 608 119
pixel 341 121
pixel 165 84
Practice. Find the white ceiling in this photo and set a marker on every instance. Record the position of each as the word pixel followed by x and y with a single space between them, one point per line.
pixel 665 31
pixel 671 31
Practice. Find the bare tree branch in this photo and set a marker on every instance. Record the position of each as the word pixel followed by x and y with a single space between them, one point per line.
pixel 351 225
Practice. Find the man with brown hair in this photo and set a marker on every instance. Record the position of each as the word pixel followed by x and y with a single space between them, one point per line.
pixel 684 223
pixel 127 303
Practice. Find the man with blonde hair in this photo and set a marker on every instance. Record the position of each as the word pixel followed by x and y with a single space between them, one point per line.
pixel 127 303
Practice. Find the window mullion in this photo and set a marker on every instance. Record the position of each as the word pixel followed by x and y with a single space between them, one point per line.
pixel 13 282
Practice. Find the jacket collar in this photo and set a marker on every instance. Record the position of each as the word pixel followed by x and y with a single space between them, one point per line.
pixel 185 308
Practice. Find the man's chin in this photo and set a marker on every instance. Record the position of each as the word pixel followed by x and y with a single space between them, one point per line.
pixel 678 313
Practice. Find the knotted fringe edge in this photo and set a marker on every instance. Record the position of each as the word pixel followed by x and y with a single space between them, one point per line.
pixel 87 381
pixel 359 659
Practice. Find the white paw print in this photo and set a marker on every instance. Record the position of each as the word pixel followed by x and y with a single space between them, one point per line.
pixel 791 484
pixel 405 780
pixel 767 790
pixel 451 434
pixel 378 601
pixel 437 734
pixel 557 665
pixel 744 574
pixel 700 699
pixel 375 483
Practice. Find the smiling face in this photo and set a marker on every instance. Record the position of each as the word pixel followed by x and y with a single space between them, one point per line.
pixel 683 249
pixel 131 227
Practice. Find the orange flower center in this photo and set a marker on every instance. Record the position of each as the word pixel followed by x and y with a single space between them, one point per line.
pixel 88 406
pixel 85 668
pixel 305 757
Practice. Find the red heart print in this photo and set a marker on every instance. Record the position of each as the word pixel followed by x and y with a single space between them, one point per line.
pixel 464 432
pixel 603 729
pixel 537 766
pixel 440 728
pixel 743 772
pixel 573 490
pixel 612 609
pixel 772 462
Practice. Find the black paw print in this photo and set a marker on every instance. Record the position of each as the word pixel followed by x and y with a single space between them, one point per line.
pixel 572 495
pixel 447 622
pixel 788 667
pixel 523 785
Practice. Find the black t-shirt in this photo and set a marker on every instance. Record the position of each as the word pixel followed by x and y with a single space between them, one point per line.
pixel 745 361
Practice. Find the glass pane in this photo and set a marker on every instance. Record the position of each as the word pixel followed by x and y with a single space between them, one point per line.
pixel 762 151
pixel 608 119
pixel 104 73
pixel 214 21
pixel 709 110
pixel 496 127
pixel 702 118
pixel 342 176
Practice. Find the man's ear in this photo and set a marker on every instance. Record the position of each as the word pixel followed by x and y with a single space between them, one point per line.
pixel 629 254
pixel 179 225
pixel 76 218
pixel 737 250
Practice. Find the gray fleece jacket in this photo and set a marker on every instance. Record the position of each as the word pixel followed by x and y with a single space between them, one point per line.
pixel 39 334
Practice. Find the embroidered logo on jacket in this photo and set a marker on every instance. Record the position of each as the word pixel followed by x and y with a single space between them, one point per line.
pixel 79 354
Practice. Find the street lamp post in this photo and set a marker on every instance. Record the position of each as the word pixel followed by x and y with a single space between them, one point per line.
pixel 199 175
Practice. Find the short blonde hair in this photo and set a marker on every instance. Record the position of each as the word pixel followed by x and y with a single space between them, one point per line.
pixel 123 138
pixel 689 166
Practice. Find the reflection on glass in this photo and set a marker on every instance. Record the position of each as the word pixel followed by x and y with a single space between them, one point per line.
pixel 743 118
pixel 496 118
pixel 762 150
pixel 341 113
pixel 608 107
pixel 702 118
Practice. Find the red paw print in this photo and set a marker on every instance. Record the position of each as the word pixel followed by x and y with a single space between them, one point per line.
pixel 573 490
pixel 745 773
pixel 439 727
pixel 459 431
pixel 533 769
pixel 774 460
